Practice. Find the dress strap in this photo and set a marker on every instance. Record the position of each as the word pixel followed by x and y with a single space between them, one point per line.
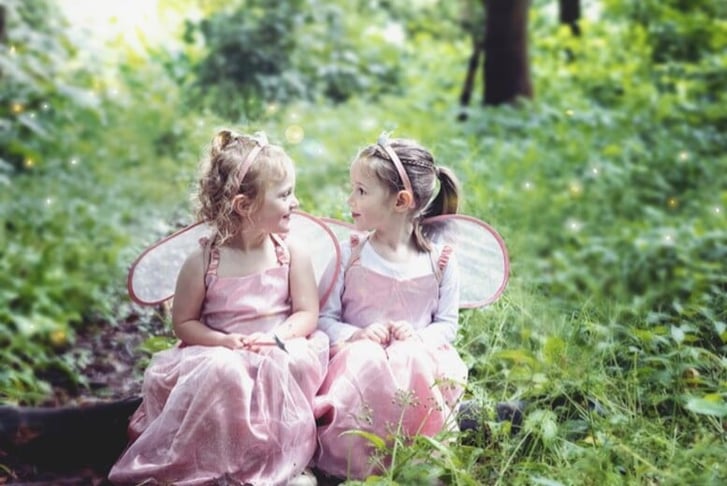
pixel 440 264
pixel 210 259
pixel 357 243
pixel 281 249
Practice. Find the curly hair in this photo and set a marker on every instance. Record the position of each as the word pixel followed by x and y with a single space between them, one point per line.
pixel 219 180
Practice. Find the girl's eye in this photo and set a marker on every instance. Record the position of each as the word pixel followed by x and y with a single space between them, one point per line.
pixel 360 191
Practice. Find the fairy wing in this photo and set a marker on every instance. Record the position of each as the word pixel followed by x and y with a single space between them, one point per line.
pixel 481 254
pixel 153 275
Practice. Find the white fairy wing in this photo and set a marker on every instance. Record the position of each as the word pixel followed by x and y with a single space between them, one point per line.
pixel 322 245
pixel 481 254
pixel 153 275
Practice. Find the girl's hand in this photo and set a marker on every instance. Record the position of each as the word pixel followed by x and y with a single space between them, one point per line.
pixel 233 341
pixel 336 347
pixel 257 337
pixel 401 330
pixel 375 332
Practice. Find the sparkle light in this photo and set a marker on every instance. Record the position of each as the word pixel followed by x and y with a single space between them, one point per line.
pixel 271 108
pixel 74 161
pixel 294 134
pixel 527 185
pixel 574 225
pixel 29 162
pixel 717 210
pixel 12 50
pixel 48 201
pixel 17 108
pixel 368 123
pixel 672 202
pixel 45 106
pixel 575 188
pixel 595 171
pixel 683 155
pixel 569 112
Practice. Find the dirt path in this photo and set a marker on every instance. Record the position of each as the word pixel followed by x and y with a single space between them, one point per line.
pixel 113 374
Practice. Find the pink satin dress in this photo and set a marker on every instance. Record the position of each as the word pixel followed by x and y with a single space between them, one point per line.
pixel 408 387
pixel 211 412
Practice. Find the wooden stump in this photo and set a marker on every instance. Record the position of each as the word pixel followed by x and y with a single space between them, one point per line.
pixel 91 436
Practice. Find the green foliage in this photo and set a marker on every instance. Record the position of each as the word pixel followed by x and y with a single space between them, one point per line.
pixel 255 55
pixel 80 206
pixel 43 90
pixel 608 189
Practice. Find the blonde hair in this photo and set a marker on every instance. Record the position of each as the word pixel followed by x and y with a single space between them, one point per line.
pixel 220 179
pixel 420 167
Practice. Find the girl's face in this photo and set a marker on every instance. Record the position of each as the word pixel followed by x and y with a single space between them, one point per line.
pixel 370 201
pixel 273 215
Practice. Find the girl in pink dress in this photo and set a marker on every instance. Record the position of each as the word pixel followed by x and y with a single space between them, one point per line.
pixel 233 403
pixel 393 313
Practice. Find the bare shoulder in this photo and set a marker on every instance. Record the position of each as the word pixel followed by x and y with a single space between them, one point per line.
pixel 193 264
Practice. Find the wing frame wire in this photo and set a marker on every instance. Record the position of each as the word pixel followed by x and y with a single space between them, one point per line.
pixel 319 221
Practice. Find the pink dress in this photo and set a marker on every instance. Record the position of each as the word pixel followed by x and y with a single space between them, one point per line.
pixel 212 412
pixel 408 387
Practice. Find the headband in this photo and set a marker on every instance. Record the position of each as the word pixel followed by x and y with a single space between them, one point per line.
pixel 383 142
pixel 250 158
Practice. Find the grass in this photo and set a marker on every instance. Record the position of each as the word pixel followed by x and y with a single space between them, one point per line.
pixel 611 202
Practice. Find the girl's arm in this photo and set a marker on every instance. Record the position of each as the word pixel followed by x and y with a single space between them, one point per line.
pixel 330 319
pixel 445 324
pixel 303 296
pixel 187 308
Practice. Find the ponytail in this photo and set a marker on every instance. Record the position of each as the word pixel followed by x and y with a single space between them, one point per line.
pixel 446 202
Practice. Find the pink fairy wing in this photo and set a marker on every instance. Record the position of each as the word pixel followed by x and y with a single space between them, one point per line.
pixel 153 274
pixel 481 254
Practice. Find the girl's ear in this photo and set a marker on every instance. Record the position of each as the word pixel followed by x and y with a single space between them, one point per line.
pixel 404 200
pixel 240 204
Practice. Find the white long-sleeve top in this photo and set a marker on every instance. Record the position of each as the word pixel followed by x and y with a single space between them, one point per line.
pixel 444 325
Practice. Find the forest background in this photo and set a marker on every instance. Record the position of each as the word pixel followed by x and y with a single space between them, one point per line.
pixel 590 134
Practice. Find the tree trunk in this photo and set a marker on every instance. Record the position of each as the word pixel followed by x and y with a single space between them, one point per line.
pixel 469 81
pixel 570 14
pixel 3 30
pixel 3 34
pixel 507 70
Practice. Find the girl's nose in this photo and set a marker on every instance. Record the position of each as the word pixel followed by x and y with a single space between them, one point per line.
pixel 294 203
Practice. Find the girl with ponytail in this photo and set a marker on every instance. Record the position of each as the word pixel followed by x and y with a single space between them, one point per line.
pixel 393 314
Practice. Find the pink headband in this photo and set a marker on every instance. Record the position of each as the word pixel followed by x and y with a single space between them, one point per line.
pixel 383 142
pixel 251 155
